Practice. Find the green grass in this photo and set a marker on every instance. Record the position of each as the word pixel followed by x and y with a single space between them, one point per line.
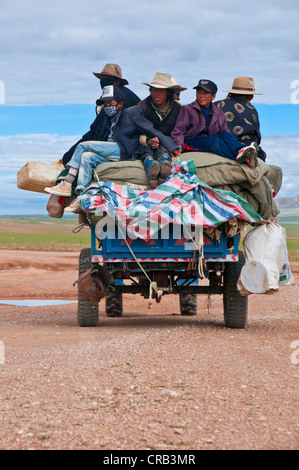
pixel 48 234
pixel 293 249
pixel 42 234
pixel 291 230
pixel 43 241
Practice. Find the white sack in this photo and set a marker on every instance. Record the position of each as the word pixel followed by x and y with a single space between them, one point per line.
pixel 265 260
pixel 286 276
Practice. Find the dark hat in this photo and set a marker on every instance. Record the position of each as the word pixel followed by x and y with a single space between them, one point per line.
pixel 112 71
pixel 207 85
pixel 109 93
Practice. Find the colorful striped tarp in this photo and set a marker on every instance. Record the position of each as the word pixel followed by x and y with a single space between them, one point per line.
pixel 183 199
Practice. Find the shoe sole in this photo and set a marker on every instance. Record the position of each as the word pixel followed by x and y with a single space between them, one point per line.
pixel 153 183
pixel 249 157
pixel 248 153
pixel 153 170
pixel 165 170
pixel 75 211
pixel 56 193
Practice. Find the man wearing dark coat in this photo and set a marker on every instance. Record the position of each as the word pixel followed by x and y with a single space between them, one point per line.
pixel 241 116
pixel 162 110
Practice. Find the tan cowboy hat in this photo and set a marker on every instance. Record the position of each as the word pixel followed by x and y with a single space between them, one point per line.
pixel 176 87
pixel 160 80
pixel 243 86
pixel 111 71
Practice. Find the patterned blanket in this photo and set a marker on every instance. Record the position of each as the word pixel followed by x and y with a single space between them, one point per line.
pixel 183 199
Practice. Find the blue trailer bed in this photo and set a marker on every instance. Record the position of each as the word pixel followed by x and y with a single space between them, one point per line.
pixel 166 264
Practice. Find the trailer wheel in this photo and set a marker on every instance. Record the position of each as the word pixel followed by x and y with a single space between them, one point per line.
pixel 114 305
pixel 188 304
pixel 235 305
pixel 88 313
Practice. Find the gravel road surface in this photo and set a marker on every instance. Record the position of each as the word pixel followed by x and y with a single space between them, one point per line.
pixel 150 380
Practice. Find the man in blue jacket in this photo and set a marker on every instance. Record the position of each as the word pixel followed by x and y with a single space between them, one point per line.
pixel 123 128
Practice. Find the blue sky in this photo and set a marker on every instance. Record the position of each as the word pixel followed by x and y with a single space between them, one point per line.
pixel 48 51
pixel 76 119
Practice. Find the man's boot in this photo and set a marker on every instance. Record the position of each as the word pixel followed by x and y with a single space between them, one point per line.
pixel 165 168
pixel 152 169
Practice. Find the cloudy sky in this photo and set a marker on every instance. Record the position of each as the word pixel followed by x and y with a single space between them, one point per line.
pixel 48 51
pixel 50 48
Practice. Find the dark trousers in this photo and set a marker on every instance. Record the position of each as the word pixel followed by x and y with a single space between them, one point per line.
pixel 224 144
pixel 156 154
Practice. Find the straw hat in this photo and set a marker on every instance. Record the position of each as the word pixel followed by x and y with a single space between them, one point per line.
pixel 111 71
pixel 160 80
pixel 177 88
pixel 243 86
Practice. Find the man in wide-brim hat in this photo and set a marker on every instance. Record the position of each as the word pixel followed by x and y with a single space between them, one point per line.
pixel 242 117
pixel 243 86
pixel 111 75
pixel 162 110
pixel 112 71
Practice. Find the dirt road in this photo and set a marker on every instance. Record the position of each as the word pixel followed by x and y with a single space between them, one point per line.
pixel 149 380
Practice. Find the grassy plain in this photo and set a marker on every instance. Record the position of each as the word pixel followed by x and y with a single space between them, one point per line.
pixel 48 234
pixel 293 245
pixel 42 234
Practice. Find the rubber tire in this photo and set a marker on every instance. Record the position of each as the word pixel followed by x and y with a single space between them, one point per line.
pixel 235 305
pixel 114 305
pixel 188 304
pixel 88 312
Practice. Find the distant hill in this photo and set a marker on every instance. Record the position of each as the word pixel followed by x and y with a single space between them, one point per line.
pixel 289 210
pixel 287 202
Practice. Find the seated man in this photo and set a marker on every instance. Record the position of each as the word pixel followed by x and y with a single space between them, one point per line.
pixel 202 127
pixel 241 116
pixel 124 127
pixel 110 75
pixel 162 110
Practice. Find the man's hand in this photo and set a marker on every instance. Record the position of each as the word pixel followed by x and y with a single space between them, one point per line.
pixel 154 142
pixel 176 152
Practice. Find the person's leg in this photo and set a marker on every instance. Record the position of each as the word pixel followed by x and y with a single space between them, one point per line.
pixel 89 160
pixel 151 166
pixel 224 144
pixel 216 144
pixel 109 150
pixel 164 159
pixel 240 152
pixel 232 144
pixel 97 151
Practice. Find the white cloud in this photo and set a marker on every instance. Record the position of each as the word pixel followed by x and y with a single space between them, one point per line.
pixel 17 150
pixel 50 49
pixel 283 151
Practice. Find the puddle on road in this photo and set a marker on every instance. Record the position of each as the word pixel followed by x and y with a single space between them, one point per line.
pixel 36 302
